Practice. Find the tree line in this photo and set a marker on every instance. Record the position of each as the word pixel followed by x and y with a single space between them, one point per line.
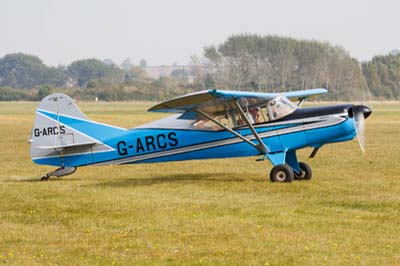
pixel 242 62
pixel 275 64
pixel 26 77
pixel 382 74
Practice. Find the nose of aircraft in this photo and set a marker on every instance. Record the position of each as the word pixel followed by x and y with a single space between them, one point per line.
pixel 364 109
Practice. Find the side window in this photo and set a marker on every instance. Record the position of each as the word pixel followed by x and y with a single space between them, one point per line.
pixel 264 114
pixel 223 119
pixel 256 115
pixel 204 123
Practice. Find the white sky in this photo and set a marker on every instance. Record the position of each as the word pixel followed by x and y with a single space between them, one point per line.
pixel 164 32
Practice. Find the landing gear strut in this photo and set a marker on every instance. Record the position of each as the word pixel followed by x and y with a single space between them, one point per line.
pixel 62 171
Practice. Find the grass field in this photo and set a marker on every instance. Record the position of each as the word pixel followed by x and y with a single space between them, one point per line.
pixel 212 212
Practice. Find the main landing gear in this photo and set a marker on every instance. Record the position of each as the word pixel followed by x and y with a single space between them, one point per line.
pixel 62 171
pixel 284 173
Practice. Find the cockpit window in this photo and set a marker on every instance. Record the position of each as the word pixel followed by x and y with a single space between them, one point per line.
pixel 272 110
pixel 204 123
pixel 229 116
pixel 280 107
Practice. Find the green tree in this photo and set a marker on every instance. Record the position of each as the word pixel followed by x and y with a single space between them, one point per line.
pixel 90 69
pixel 28 71
pixel 383 76
pixel 44 91
pixel 11 94
pixel 136 73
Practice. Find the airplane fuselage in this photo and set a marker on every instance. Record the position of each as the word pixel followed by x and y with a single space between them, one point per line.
pixel 306 127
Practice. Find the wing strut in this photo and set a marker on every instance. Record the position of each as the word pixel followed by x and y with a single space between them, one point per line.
pixel 301 101
pixel 260 146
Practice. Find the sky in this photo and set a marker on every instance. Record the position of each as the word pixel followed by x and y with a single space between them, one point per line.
pixel 169 31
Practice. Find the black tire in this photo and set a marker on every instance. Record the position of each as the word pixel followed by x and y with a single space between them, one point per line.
pixel 281 173
pixel 305 172
pixel 44 178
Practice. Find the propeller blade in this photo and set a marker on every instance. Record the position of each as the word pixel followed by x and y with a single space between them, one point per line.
pixel 359 120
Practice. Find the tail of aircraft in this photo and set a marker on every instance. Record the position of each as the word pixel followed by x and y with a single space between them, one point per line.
pixel 63 136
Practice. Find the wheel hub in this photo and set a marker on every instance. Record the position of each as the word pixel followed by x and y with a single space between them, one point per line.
pixel 281 176
pixel 302 174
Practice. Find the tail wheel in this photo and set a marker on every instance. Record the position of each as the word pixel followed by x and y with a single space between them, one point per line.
pixel 45 178
pixel 281 173
pixel 305 172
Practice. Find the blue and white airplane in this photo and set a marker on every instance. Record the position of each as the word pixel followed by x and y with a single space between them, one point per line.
pixel 205 124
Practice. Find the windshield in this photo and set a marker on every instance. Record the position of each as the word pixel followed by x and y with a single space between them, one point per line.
pixel 280 107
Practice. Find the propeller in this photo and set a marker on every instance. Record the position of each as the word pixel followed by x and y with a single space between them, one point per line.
pixel 361 112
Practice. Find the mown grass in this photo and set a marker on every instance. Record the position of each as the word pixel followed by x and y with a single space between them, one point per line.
pixel 211 212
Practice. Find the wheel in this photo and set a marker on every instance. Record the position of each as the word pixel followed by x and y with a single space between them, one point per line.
pixel 44 178
pixel 305 172
pixel 281 173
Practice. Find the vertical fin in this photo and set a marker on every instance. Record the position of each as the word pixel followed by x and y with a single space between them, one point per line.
pixel 63 136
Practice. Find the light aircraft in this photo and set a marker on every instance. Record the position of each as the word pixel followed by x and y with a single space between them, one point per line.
pixel 206 124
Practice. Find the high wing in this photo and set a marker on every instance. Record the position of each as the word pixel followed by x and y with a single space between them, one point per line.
pixel 215 101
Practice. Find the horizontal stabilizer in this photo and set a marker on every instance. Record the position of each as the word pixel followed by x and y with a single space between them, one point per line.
pixel 62 147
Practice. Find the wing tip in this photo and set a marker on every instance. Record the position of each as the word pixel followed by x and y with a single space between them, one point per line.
pixel 322 90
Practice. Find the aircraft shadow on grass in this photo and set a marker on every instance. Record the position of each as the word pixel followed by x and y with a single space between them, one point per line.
pixel 179 179
pixel 174 178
